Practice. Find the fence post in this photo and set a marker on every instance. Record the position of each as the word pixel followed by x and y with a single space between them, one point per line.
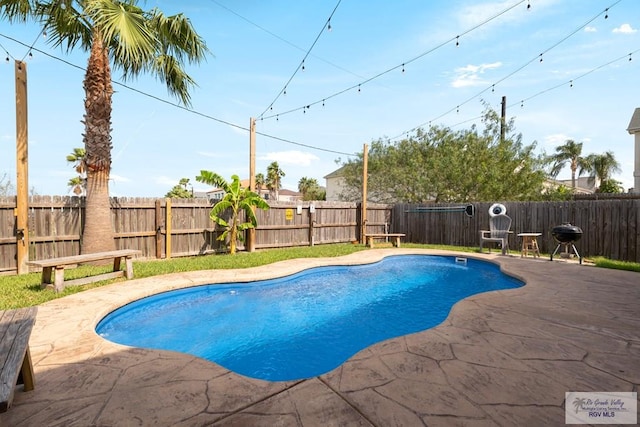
pixel 158 212
pixel 312 223
pixel 168 229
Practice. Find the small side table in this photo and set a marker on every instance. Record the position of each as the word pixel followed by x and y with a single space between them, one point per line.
pixel 530 244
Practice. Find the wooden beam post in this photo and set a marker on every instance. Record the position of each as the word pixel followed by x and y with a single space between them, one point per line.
pixel 365 174
pixel 251 232
pixel 22 169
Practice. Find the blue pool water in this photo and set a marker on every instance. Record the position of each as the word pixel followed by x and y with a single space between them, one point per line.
pixel 307 324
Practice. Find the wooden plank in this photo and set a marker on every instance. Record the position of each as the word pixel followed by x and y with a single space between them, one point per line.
pixel 15 327
pixel 78 259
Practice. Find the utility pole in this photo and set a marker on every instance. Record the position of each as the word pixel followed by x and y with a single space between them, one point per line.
pixel 365 174
pixel 503 119
pixel 251 232
pixel 22 169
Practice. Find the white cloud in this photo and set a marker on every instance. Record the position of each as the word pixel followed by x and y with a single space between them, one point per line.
pixel 625 29
pixel 589 29
pixel 165 180
pixel 293 157
pixel 471 74
pixel 118 178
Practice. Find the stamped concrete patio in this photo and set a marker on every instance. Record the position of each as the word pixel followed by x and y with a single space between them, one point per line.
pixel 503 358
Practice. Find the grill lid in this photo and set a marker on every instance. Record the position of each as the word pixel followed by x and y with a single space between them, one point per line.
pixel 566 233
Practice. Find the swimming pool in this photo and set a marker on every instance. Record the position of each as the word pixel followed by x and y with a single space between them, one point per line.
pixel 306 324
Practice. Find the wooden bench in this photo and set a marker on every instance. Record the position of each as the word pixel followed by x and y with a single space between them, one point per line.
pixel 55 280
pixel 395 236
pixel 15 358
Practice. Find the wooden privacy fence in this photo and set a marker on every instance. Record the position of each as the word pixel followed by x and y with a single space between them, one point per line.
pixel 611 227
pixel 182 227
pixel 163 228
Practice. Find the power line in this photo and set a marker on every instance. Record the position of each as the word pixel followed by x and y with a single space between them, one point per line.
pixel 538 57
pixel 173 104
pixel 570 82
pixel 271 33
pixel 327 25
pixel 396 67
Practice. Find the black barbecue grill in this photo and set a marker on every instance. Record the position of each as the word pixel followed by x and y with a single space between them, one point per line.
pixel 566 235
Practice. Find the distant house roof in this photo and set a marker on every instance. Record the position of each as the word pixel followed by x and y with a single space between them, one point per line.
pixel 336 173
pixel 634 124
pixel 285 192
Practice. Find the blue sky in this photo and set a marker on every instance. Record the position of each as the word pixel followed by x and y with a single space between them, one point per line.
pixel 257 46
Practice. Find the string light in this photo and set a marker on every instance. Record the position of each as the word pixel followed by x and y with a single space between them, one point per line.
pixel 457 41
pixel 303 65
pixel 606 13
pixel 540 57
pixel 403 68
pixel 522 104
pixel 329 25
pixel 458 109
pixel 629 57
pixel 493 88
pixel 528 4
pixel 358 88
pixel 571 83
pixel 30 55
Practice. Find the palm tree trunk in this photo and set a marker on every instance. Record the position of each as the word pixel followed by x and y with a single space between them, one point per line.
pixel 97 235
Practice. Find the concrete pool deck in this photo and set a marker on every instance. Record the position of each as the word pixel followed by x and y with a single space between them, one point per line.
pixel 502 358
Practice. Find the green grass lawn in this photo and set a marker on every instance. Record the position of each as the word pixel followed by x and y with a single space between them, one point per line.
pixel 24 290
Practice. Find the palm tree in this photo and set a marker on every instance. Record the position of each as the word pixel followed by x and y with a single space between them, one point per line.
pixel 237 199
pixel 601 167
pixel 78 184
pixel 570 153
pixel 260 183
pixel 308 187
pixel 274 178
pixel 134 41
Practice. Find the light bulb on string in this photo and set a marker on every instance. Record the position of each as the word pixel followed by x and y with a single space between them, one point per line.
pixel 571 83
pixel 493 88
pixel 285 91
pixel 329 25
pixel 7 59
pixel 540 57
pixel 277 117
pixel 457 41
pixel 323 102
pixel 629 57
pixel 522 104
pixel 458 109
pixel 303 65
pixel 606 13
pixel 403 68
pixel 528 4
pixel 30 55
pixel 44 34
pixel 358 88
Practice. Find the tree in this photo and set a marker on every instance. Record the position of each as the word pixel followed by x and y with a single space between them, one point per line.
pixel 260 182
pixel 570 152
pixel 445 166
pixel 133 40
pixel 600 168
pixel 6 187
pixel 180 190
pixel 310 189
pixel 78 184
pixel 274 179
pixel 236 199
